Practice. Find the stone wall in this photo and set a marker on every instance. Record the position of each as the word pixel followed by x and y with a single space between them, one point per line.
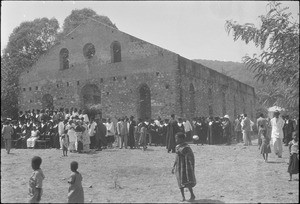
pixel 238 97
pixel 166 74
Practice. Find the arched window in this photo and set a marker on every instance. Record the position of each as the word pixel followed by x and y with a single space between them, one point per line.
pixel 64 58
pixel 116 52
pixel 89 51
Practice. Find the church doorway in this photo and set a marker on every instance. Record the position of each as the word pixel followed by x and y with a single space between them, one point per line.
pixel 144 102
pixel 47 102
pixel 90 95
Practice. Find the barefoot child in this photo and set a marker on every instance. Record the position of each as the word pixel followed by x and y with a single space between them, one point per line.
pixel 75 194
pixel 36 180
pixel 184 166
pixel 265 148
pixel 294 155
pixel 65 142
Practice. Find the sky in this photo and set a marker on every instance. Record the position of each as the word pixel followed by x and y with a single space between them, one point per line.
pixel 192 29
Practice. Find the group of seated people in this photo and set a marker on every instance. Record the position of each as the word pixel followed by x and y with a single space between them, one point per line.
pixel 32 126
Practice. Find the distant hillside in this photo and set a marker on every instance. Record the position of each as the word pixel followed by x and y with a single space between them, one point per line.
pixel 235 70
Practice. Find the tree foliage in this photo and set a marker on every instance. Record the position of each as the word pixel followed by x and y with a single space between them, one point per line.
pixel 278 64
pixel 26 44
pixel 79 16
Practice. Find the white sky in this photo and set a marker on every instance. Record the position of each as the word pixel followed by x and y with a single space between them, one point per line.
pixel 193 29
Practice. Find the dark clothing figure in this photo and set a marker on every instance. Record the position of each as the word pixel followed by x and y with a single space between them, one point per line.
pixel 16 136
pixel 171 131
pixel 210 138
pixel 100 135
pixel 185 166
pixel 79 129
pixel 55 137
pixel 217 133
pixel 153 131
pixel 131 141
pixel 294 157
pixel 226 125
pixel 160 135
pixel 294 164
pixel 203 133
pixel 288 129
pixel 164 131
pixel 180 127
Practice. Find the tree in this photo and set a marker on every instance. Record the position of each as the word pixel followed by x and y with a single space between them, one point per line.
pixel 278 64
pixel 26 44
pixel 78 16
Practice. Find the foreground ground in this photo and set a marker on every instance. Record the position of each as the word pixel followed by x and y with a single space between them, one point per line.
pixel 225 174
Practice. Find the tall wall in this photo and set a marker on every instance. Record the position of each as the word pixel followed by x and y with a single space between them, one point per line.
pixel 142 63
pixel 167 75
pixel 229 96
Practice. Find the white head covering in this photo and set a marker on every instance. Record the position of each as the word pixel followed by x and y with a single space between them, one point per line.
pixel 226 116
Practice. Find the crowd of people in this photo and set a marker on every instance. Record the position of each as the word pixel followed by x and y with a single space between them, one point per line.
pixel 77 131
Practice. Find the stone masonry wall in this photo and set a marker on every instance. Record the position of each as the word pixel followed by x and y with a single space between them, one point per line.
pixel 239 98
pixel 168 76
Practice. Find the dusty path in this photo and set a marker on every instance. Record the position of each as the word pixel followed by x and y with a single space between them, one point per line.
pixel 224 174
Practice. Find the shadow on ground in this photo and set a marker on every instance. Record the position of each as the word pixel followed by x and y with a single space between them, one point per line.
pixel 11 153
pixel 206 201
pixel 275 162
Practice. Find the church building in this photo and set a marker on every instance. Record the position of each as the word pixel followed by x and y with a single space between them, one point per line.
pixel 97 65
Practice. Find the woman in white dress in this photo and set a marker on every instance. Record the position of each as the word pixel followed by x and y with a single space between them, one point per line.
pixel 72 136
pixel 35 133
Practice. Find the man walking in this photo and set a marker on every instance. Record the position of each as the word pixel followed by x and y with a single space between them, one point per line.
pixel 7 132
pixel 277 124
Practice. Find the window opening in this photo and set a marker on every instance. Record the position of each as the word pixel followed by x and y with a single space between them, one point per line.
pixel 89 51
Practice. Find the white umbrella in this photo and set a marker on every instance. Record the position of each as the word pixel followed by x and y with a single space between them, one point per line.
pixel 276 108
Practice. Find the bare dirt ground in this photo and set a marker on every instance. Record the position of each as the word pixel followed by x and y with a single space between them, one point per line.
pixel 225 174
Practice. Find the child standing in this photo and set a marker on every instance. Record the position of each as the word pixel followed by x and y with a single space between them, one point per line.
pixel 65 143
pixel 184 166
pixel 36 180
pixel 143 141
pixel 265 148
pixel 75 194
pixel 294 155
